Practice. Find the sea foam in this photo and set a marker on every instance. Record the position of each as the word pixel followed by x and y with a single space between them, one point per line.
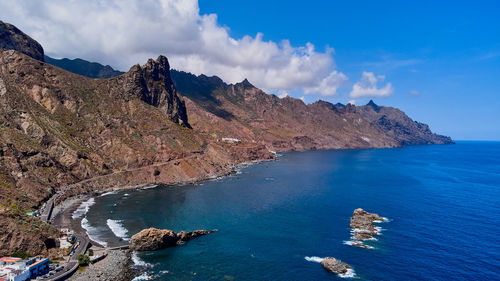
pixel 91 232
pixel 83 209
pixel 138 262
pixel 314 259
pixel 349 274
pixel 118 229
pixel 108 193
pixel 143 276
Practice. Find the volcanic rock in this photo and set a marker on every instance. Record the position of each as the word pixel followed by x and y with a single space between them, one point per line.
pixel 363 228
pixel 335 266
pixel 153 239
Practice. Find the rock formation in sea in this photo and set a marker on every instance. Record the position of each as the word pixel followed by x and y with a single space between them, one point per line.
pixel 152 239
pixel 362 227
pixel 335 266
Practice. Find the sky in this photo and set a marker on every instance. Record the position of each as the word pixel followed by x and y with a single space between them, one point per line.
pixel 439 61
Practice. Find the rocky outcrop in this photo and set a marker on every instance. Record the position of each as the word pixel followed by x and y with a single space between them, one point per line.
pixel 363 228
pixel 153 239
pixel 335 266
pixel 11 38
pixel 152 84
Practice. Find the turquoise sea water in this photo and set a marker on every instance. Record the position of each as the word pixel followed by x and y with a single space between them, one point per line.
pixel 443 203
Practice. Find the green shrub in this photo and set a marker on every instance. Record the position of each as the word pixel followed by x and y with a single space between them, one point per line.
pixel 91 252
pixel 83 259
pixel 21 254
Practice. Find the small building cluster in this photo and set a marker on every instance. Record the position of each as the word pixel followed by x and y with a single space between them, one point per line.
pixel 231 140
pixel 17 269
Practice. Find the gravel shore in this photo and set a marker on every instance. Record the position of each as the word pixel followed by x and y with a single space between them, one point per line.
pixel 116 266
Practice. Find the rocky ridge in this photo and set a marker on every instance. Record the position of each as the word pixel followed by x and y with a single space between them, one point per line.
pixel 83 67
pixel 11 38
pixel 243 111
pixel 152 239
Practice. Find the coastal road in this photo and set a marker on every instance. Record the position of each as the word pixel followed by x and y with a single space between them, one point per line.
pixel 46 212
pixel 72 264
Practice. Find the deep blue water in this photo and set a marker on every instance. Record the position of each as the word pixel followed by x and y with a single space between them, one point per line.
pixel 443 203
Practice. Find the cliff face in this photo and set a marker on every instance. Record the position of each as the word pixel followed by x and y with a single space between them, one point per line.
pixel 152 84
pixel 245 112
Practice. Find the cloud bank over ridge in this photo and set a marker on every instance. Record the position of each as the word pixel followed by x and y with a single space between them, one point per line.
pixel 123 33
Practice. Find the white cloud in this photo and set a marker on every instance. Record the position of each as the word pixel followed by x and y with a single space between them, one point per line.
pixel 353 102
pixel 329 85
pixel 414 93
pixel 367 87
pixel 123 33
pixel 282 94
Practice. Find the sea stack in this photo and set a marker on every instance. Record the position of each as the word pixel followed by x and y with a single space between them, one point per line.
pixel 363 228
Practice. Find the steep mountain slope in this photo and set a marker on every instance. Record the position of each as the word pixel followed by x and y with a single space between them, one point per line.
pixel 85 68
pixel 286 124
pixel 58 128
pixel 245 112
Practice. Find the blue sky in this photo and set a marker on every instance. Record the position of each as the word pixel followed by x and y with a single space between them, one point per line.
pixel 439 61
pixel 447 51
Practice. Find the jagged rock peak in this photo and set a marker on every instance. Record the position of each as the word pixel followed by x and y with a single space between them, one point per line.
pixel 373 105
pixel 153 84
pixel 11 38
pixel 245 84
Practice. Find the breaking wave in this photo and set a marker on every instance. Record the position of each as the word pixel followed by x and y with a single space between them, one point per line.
pixel 83 209
pixel 118 229
pixel 143 276
pixel 92 232
pixel 314 259
pixel 108 193
pixel 349 274
pixel 138 262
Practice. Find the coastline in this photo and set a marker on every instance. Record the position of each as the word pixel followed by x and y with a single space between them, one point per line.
pixel 119 262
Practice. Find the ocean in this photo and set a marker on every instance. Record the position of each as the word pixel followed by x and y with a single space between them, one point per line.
pixel 277 220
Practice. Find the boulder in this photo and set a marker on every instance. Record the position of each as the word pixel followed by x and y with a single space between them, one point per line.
pixel 153 239
pixel 335 266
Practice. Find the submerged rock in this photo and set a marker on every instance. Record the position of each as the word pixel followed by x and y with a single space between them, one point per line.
pixel 153 239
pixel 335 266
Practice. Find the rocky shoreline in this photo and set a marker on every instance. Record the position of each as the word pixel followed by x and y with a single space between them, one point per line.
pixel 117 262
pixel 116 266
